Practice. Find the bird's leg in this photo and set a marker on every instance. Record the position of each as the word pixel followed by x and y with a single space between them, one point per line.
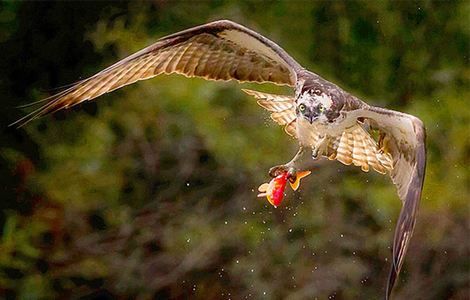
pixel 320 147
pixel 292 167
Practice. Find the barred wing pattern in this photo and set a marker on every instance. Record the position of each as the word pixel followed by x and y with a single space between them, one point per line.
pixel 401 151
pixel 224 50
pixel 356 146
pixel 353 146
pixel 282 109
pixel 404 137
pixel 221 50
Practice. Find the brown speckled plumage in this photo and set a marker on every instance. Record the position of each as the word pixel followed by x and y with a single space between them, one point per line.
pixel 224 50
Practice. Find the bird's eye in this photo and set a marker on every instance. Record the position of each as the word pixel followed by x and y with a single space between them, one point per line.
pixel 302 107
pixel 321 109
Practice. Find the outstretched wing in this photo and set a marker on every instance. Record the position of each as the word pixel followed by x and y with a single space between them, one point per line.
pixel 404 137
pixel 221 50
pixel 401 150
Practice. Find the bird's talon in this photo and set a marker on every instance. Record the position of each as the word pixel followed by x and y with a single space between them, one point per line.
pixel 292 175
pixel 314 153
pixel 277 170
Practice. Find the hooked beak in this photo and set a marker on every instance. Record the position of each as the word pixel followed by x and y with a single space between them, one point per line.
pixel 311 117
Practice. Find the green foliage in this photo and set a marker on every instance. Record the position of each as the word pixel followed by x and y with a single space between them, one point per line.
pixel 151 191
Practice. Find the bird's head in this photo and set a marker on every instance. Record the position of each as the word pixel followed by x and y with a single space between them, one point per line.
pixel 314 105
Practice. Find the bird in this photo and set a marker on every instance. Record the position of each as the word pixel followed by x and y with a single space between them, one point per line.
pixel 328 122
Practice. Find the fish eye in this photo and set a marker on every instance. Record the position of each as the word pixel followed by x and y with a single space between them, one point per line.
pixel 302 107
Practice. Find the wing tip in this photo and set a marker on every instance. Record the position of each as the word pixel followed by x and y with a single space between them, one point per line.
pixel 392 276
pixel 25 119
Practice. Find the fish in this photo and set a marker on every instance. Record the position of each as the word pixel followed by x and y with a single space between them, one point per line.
pixel 274 190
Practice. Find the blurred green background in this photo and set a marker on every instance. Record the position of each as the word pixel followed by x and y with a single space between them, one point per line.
pixel 150 192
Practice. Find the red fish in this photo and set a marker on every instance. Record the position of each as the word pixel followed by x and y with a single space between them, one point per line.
pixel 274 190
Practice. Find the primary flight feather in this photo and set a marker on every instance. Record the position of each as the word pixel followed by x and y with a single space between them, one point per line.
pixel 326 120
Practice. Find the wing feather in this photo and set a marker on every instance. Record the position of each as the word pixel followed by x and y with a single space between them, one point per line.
pixel 371 155
pixel 221 50
pixel 282 109
pixel 365 165
pixel 291 129
pixel 344 151
pixel 332 146
pixel 358 153
pixel 405 150
pixel 356 146
pixel 401 150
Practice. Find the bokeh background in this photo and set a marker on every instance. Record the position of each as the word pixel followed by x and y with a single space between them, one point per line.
pixel 150 192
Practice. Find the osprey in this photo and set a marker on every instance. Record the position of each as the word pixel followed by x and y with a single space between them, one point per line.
pixel 327 121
